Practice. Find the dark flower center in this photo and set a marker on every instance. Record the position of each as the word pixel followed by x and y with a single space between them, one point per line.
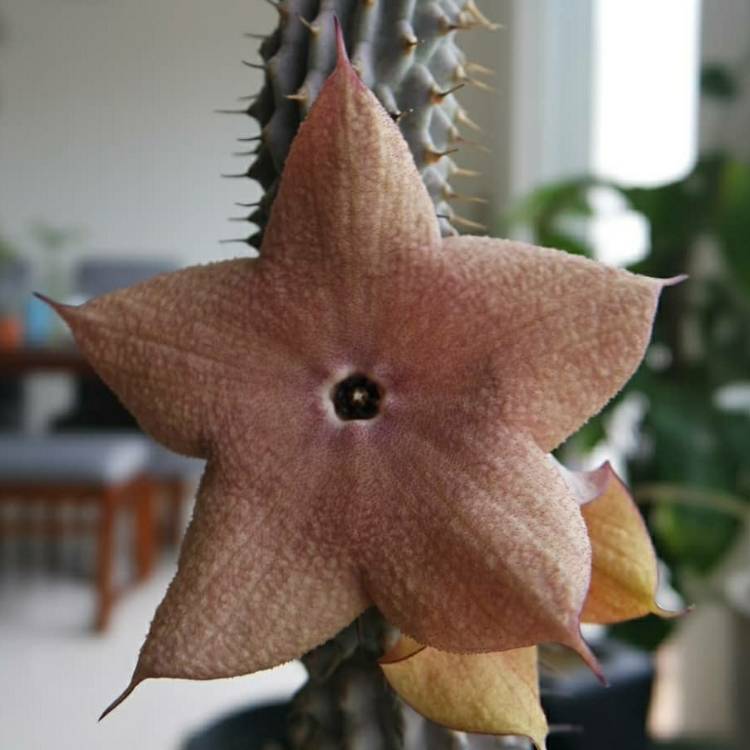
pixel 356 397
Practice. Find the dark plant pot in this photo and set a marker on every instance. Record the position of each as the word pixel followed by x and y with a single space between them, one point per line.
pixel 597 717
pixel 251 729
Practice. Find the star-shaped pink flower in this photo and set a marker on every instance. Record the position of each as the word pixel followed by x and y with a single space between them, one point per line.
pixel 376 405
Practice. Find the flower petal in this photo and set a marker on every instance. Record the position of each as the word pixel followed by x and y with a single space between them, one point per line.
pixel 494 693
pixel 565 333
pixel 350 196
pixel 261 579
pixel 476 544
pixel 624 569
pixel 178 348
pixel 404 648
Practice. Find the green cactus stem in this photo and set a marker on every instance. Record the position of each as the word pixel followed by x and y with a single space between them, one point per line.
pixel 405 51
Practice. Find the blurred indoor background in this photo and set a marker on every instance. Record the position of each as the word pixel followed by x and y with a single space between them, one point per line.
pixel 616 129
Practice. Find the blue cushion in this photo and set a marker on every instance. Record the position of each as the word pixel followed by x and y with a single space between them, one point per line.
pixel 99 458
pixel 164 464
pixel 97 276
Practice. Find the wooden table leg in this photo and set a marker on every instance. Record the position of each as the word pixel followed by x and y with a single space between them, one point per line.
pixel 145 528
pixel 105 557
pixel 175 497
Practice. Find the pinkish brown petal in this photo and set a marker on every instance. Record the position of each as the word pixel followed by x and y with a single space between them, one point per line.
pixel 351 204
pixel 180 349
pixel 262 576
pixel 479 693
pixel 563 333
pixel 475 543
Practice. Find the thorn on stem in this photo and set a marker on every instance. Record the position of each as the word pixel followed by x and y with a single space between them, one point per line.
pixel 398 116
pixel 239 240
pixel 410 42
pixel 453 196
pixel 468 223
pixel 464 119
pixel 473 67
pixel 300 96
pixel 314 29
pixel 438 96
pixel 461 172
pixel 432 156
pixel 482 86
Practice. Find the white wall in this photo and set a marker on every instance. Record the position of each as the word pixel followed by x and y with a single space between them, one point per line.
pixel 552 75
pixel 107 122
pixel 726 41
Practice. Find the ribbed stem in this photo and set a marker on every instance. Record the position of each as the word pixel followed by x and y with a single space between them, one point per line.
pixel 348 705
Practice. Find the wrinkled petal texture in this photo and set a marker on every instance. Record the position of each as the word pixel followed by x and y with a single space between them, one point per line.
pixel 177 349
pixel 351 203
pixel 624 569
pixel 477 693
pixel 565 333
pixel 474 543
pixel 260 581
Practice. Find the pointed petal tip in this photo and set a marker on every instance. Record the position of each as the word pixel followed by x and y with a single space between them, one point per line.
pixel 137 680
pixel 342 56
pixel 49 301
pixel 582 648
pixel 672 614
pixel 63 310
pixel 674 280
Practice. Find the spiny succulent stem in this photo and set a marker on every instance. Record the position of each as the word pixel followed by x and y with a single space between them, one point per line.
pixel 406 52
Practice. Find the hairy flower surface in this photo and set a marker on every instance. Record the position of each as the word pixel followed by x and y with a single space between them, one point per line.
pixel 377 406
